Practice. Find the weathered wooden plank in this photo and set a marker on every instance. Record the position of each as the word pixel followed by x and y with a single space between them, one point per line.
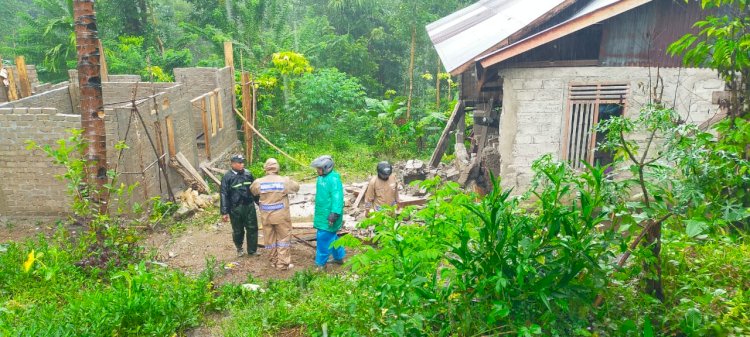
pixel 103 63
pixel 246 110
pixel 206 135
pixel 170 136
pixel 361 196
pixel 210 175
pixel 202 185
pixel 212 104
pixel 437 154
pixel 23 76
pixel 12 91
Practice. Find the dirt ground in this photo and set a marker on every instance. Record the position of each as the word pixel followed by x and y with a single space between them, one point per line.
pixel 191 250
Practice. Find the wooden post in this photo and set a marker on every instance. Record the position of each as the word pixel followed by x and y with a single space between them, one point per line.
pixel 103 63
pixel 12 91
pixel 247 111
pixel 170 136
pixel 254 111
pixel 206 135
pixel 220 108
pixel 212 104
pixel 74 91
pixel 23 77
pixel 229 56
pixel 458 110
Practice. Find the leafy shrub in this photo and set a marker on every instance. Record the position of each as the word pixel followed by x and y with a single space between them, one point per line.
pixel 494 266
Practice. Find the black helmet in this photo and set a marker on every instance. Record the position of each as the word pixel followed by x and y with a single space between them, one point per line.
pixel 384 170
pixel 324 162
pixel 238 158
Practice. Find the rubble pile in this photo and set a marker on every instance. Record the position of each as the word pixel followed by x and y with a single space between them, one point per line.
pixel 191 201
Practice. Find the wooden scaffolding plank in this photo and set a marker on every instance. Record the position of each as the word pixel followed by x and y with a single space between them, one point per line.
pixel 206 135
pixel 210 175
pixel 12 91
pixel 103 63
pixel 246 107
pixel 170 136
pixel 23 76
pixel 212 104
pixel 191 172
pixel 437 154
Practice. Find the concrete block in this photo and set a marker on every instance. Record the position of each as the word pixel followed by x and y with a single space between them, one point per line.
pixel 532 84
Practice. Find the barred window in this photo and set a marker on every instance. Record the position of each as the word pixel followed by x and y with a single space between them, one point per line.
pixel 589 104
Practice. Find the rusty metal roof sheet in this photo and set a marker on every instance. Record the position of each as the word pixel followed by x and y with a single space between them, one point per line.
pixel 468 33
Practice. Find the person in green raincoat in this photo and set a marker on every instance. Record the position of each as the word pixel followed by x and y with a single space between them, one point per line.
pixel 329 210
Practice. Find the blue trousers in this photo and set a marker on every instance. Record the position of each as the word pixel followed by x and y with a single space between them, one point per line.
pixel 324 249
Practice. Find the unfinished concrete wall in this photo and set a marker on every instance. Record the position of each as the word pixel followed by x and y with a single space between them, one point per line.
pixel 210 87
pixel 57 98
pixel 29 185
pixel 535 103
pixel 170 109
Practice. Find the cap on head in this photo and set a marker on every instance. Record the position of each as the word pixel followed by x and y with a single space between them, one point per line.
pixel 238 158
pixel 324 162
pixel 384 170
pixel 271 166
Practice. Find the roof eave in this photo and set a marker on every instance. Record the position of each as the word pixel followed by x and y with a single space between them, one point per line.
pixel 558 31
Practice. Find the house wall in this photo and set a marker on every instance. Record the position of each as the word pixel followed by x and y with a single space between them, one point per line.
pixel 535 102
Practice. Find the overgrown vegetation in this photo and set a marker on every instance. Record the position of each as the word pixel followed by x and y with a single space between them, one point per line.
pixel 653 245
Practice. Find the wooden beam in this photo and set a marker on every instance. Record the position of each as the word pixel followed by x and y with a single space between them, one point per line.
pixel 415 202
pixel 190 172
pixel 254 111
pixel 212 104
pixel 206 135
pixel 103 63
pixel 437 154
pixel 220 108
pixel 210 175
pixel 229 57
pixel 170 136
pixel 360 196
pixel 23 76
pixel 559 31
pixel 246 110
pixel 12 91
pixel 74 91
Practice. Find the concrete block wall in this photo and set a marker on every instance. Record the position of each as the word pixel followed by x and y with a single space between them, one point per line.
pixel 29 185
pixel 535 103
pixel 202 81
pixel 116 92
pixel 57 98
pixel 45 118
pixel 140 157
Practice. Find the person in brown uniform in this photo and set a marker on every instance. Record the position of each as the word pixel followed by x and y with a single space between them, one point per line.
pixel 273 191
pixel 382 190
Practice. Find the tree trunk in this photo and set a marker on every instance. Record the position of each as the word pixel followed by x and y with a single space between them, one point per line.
pixel 652 269
pixel 411 70
pixel 92 112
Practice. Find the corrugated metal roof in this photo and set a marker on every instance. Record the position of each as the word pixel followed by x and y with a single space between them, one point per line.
pixel 594 12
pixel 464 35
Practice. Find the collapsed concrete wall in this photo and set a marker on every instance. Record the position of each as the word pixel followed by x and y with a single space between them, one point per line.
pixel 30 188
pixel 535 101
